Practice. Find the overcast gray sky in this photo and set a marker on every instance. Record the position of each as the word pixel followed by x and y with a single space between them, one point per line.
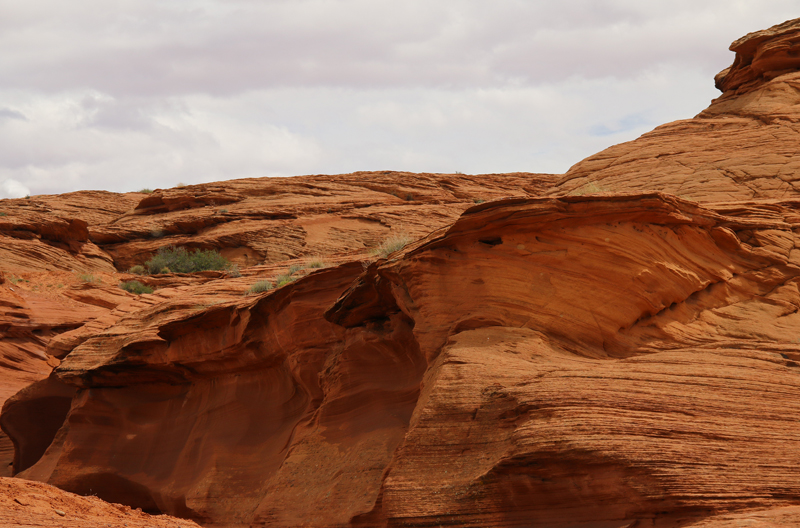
pixel 131 94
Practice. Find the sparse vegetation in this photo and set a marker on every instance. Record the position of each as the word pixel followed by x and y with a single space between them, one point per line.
pixel 259 287
pixel 316 264
pixel 135 287
pixel 284 279
pixel 478 200
pixel 137 270
pixel 27 196
pixel 391 244
pixel 146 191
pixel 234 271
pixel 223 211
pixel 589 188
pixel 88 277
pixel 3 214
pixel 409 197
pixel 170 259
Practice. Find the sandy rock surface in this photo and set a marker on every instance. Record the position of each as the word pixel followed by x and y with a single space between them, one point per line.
pixel 614 348
pixel 33 504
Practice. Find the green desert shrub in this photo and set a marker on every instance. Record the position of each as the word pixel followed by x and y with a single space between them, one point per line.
pixel 179 260
pixel 137 270
pixel 146 191
pixel 88 277
pixel 259 287
pixel 282 280
pixel 316 264
pixel 391 244
pixel 135 287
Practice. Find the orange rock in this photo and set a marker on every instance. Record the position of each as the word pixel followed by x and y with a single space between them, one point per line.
pixel 25 503
pixel 552 379
pixel 761 56
pixel 742 147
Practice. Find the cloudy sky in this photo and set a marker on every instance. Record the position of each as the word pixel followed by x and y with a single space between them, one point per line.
pixel 130 94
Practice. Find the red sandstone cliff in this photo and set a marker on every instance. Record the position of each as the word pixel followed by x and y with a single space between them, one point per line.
pixel 615 347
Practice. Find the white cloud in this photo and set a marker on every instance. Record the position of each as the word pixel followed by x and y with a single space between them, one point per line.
pixel 13 189
pixel 145 93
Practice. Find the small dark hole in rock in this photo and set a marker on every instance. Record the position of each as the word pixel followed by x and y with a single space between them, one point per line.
pixel 491 241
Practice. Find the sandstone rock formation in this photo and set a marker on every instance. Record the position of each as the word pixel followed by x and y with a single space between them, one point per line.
pixel 617 347
pixel 61 255
pixel 25 503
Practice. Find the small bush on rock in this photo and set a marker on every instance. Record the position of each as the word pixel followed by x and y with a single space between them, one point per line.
pixel 282 280
pixel 137 270
pixel 259 287
pixel 179 260
pixel 135 287
pixel 391 244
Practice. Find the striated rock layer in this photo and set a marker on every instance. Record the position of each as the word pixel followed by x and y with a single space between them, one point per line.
pixel 620 353
pixel 612 359
pixel 60 255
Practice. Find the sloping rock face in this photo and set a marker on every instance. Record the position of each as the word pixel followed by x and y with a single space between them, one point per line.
pixel 24 503
pixel 629 359
pixel 744 146
pixel 577 385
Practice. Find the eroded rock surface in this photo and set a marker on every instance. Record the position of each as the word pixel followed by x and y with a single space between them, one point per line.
pixel 62 256
pixel 25 503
